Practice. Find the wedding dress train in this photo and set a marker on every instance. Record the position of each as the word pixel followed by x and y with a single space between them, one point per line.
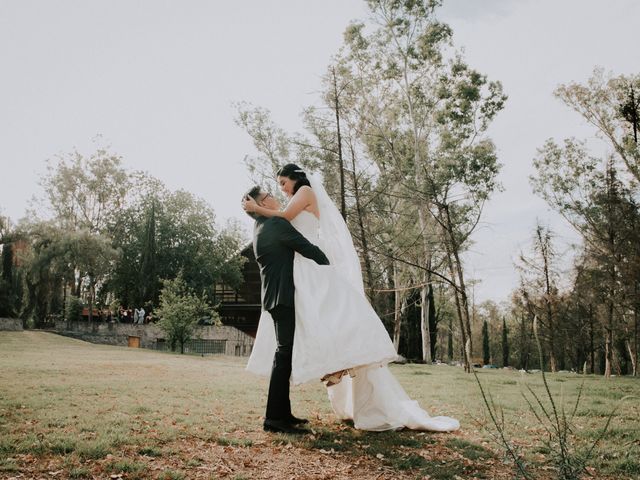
pixel 372 397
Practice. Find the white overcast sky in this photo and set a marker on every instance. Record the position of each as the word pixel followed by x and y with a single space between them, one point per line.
pixel 156 79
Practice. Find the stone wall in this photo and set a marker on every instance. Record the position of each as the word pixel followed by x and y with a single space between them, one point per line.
pixel 236 342
pixel 11 324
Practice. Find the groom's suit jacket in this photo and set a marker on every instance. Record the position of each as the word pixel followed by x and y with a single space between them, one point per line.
pixel 275 241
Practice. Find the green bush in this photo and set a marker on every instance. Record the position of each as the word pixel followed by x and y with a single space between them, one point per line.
pixel 74 308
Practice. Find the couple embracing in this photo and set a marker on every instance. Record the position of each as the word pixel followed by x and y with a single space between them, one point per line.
pixel 317 323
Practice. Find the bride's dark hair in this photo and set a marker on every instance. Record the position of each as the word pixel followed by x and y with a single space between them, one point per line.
pixel 294 172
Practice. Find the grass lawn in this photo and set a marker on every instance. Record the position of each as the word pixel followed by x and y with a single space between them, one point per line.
pixel 70 409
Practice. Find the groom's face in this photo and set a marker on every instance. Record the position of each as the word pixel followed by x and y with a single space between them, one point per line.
pixel 268 201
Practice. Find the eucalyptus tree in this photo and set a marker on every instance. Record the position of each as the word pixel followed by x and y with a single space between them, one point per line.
pixel 401 138
pixel 83 192
pixel 612 105
pixel 424 115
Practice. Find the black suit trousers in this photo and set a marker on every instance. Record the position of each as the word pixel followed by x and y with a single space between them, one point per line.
pixel 278 402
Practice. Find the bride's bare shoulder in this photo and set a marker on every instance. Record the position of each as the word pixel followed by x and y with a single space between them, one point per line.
pixel 307 191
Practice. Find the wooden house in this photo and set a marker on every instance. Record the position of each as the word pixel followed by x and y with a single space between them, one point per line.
pixel 241 307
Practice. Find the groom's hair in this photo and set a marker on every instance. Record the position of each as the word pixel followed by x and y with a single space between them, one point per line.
pixel 253 193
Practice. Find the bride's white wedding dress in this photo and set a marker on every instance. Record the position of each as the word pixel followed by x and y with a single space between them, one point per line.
pixel 337 329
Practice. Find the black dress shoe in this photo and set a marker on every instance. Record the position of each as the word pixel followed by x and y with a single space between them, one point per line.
pixel 281 426
pixel 296 421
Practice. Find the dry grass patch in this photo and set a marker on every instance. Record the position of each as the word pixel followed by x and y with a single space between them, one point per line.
pixel 69 409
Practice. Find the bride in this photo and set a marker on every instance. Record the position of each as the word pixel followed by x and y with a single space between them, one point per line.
pixel 338 336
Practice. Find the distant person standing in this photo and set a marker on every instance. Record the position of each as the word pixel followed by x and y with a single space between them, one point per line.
pixel 141 314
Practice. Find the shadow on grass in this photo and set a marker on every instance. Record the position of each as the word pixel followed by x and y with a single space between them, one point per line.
pixel 400 450
pixel 470 450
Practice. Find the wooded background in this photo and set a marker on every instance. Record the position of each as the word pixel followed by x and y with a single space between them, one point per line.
pixel 401 141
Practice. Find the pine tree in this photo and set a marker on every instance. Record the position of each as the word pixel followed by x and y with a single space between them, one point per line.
pixel 505 344
pixel 486 354
pixel 6 282
pixel 148 280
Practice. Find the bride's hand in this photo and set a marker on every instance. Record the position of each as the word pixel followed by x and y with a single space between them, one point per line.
pixel 249 204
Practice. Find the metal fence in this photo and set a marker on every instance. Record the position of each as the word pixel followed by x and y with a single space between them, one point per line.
pixel 197 345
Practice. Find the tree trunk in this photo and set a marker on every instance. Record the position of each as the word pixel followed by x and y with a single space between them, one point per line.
pixel 397 314
pixel 78 286
pixel 462 289
pixel 592 340
pixel 523 332
pixel 91 295
pixel 608 343
pixel 544 250
pixel 424 297
pixel 366 255
pixel 343 208
pixel 424 324
pixel 466 352
pixel 450 339
pixel 635 341
pixel 433 320
pixel 505 344
pixel 634 360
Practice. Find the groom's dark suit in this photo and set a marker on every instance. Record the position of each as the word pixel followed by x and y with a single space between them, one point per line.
pixel 274 243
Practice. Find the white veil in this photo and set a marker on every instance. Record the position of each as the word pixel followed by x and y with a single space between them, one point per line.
pixel 335 238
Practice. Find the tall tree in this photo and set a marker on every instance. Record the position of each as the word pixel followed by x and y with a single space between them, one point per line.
pixel 486 350
pixel 505 343
pixel 148 268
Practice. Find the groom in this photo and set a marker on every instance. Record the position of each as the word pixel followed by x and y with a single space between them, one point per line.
pixel 274 243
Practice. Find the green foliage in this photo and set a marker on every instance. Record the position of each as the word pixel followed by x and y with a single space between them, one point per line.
pixel 84 192
pixel 109 241
pixel 179 311
pixel 73 308
pixel 8 293
pixel 167 233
